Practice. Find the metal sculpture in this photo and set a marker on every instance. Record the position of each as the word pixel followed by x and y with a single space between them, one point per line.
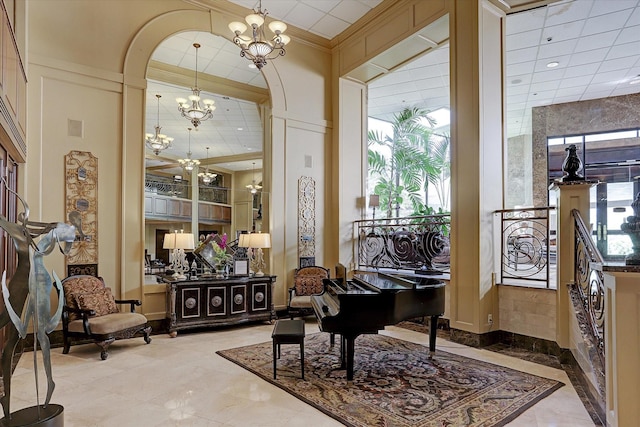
pixel 26 296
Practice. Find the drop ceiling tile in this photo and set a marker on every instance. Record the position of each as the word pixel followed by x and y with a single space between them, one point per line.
pixel 605 7
pixel 604 23
pixel 521 55
pixel 624 50
pixel 323 5
pixel 588 57
pixel 328 24
pixel 578 81
pixel 618 64
pixel 629 35
pixel 545 76
pixel 597 41
pixel 524 39
pixel 521 68
pixel 522 22
pixel 563 32
pixel 303 16
pixel 569 91
pixel 567 12
pixel 551 85
pixel 554 50
pixel 634 19
pixel 349 11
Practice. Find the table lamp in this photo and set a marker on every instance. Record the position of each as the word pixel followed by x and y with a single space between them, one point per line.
pixel 178 243
pixel 258 241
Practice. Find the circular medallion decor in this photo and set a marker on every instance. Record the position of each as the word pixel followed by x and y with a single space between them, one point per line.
pixel 216 301
pixel 259 297
pixel 238 299
pixel 190 303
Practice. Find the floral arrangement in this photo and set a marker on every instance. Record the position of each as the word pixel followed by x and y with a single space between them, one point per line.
pixel 221 257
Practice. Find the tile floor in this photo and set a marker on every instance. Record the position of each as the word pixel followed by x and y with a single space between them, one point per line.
pixel 182 382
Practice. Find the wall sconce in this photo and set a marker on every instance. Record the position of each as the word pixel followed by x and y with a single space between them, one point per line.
pixel 374 202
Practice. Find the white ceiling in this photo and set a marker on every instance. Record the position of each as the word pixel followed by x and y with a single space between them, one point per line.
pixel 595 42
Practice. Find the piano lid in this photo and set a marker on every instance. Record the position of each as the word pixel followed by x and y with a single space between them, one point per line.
pixel 395 282
pixel 385 282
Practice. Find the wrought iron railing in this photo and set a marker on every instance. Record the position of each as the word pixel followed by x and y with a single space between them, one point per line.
pixel 181 189
pixel 589 280
pixel 528 247
pixel 407 243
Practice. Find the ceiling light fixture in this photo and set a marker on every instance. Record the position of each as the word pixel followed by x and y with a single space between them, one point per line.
pixel 189 164
pixel 207 177
pixel 191 109
pixel 253 187
pixel 553 64
pixel 257 48
pixel 157 142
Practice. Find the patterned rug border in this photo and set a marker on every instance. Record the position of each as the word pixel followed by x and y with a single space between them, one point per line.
pixel 327 410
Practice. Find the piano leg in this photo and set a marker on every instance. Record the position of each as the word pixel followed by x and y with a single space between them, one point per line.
pixel 349 342
pixel 432 336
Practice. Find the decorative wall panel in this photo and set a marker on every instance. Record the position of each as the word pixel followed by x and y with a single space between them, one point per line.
pixel 81 194
pixel 306 220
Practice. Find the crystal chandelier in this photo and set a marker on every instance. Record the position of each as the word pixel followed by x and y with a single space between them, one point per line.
pixel 253 187
pixel 191 109
pixel 157 142
pixel 189 164
pixel 257 47
pixel 207 177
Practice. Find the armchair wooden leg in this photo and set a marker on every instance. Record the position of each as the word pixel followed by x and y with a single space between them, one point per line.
pixel 104 345
pixel 67 343
pixel 147 332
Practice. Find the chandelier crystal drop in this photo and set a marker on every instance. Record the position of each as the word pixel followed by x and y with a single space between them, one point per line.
pixel 256 47
pixel 207 177
pixel 253 187
pixel 190 108
pixel 157 141
pixel 189 164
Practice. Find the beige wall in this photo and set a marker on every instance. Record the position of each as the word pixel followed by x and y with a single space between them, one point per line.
pixel 527 311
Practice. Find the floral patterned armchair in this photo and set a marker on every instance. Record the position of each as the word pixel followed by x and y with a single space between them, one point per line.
pixel 91 313
pixel 307 281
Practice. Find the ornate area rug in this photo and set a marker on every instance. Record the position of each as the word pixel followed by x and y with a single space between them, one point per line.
pixel 396 384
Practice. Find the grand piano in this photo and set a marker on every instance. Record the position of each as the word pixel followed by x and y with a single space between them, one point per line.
pixel 371 301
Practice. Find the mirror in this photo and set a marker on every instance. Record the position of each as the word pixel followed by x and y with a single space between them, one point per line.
pixel 228 145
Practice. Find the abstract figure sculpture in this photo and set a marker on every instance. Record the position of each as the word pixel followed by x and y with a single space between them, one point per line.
pixel 29 290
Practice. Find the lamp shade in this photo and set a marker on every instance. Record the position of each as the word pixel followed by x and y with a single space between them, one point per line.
pixel 178 241
pixel 169 241
pixel 185 241
pixel 243 240
pixel 374 201
pixel 259 240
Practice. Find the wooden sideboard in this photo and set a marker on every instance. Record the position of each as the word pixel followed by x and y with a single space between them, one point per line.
pixel 219 302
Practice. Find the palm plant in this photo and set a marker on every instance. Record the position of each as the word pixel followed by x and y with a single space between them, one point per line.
pixel 405 173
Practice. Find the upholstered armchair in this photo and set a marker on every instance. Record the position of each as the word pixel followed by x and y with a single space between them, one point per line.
pixel 91 313
pixel 307 281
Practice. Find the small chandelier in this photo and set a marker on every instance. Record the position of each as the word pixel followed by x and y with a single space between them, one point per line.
pixel 157 142
pixel 189 164
pixel 253 187
pixel 191 109
pixel 257 47
pixel 207 177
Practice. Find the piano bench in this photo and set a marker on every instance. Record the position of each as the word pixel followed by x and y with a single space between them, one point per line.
pixel 288 332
